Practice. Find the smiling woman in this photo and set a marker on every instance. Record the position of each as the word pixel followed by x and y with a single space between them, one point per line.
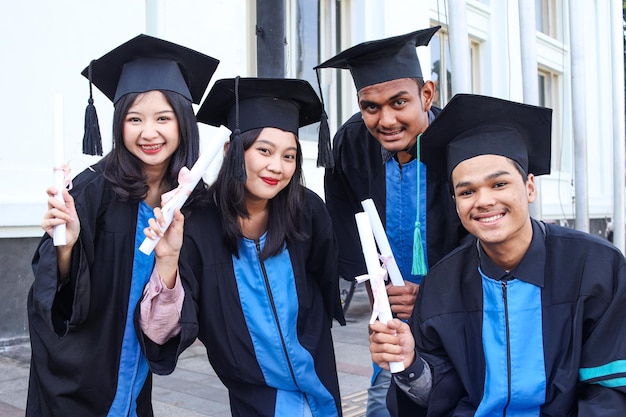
pixel 263 247
pixel 270 164
pixel 82 302
pixel 151 132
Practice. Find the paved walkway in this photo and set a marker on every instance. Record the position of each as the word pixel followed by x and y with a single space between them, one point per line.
pixel 193 389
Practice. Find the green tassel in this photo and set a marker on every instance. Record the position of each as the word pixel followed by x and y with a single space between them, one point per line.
pixel 418 266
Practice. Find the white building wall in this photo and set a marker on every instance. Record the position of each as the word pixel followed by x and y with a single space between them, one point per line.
pixel 46 44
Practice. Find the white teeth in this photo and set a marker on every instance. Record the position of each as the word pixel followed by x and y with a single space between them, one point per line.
pixel 490 219
pixel 151 147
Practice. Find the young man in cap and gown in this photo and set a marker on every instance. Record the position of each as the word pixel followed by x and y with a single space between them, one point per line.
pixel 376 156
pixel 527 318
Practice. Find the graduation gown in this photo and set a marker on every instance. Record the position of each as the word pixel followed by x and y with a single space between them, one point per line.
pixel 266 325
pixel 77 332
pixel 561 349
pixel 359 173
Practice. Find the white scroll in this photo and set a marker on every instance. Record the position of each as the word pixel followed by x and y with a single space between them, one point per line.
pixel 383 242
pixel 376 274
pixel 59 232
pixel 180 195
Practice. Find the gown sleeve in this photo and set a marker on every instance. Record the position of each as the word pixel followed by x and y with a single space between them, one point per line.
pixel 343 203
pixel 162 358
pixel 160 309
pixel 323 260
pixel 64 308
pixel 602 390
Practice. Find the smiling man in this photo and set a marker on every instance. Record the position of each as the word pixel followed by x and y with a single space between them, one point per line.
pixel 527 318
pixel 376 157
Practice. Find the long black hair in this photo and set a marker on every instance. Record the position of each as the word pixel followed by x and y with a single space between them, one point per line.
pixel 284 208
pixel 125 171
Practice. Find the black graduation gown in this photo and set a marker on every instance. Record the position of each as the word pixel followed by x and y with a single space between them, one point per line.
pixel 212 310
pixel 359 173
pixel 583 326
pixel 76 333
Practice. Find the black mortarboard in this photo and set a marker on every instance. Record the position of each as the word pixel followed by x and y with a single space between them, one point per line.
pixel 384 59
pixel 472 125
pixel 286 104
pixel 243 104
pixel 145 63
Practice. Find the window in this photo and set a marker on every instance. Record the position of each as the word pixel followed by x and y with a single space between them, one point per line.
pixel 475 66
pixel 548 97
pixel 440 73
pixel 303 50
pixel 440 54
pixel 546 17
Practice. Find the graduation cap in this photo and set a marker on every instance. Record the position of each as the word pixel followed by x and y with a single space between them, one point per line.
pixel 243 104
pixel 384 59
pixel 372 63
pixel 472 125
pixel 142 64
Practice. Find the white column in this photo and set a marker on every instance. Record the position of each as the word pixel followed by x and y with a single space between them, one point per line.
pixel 154 17
pixel 579 84
pixel 459 47
pixel 617 72
pixel 528 48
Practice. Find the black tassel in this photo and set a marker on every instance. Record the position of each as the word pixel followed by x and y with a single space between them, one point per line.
pixel 92 141
pixel 239 162
pixel 324 152
pixel 236 143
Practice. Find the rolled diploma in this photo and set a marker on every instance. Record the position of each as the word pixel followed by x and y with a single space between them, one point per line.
pixel 58 235
pixel 383 242
pixel 376 274
pixel 215 145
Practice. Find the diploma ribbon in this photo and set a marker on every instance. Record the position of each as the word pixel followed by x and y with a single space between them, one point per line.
pixel 184 185
pixel 379 291
pixel 67 175
pixel 386 260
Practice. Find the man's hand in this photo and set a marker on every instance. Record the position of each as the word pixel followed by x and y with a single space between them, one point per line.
pixel 391 343
pixel 402 299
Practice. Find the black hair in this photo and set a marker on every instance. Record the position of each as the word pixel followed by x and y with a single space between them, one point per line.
pixel 520 169
pixel 517 165
pixel 125 171
pixel 284 208
pixel 419 81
